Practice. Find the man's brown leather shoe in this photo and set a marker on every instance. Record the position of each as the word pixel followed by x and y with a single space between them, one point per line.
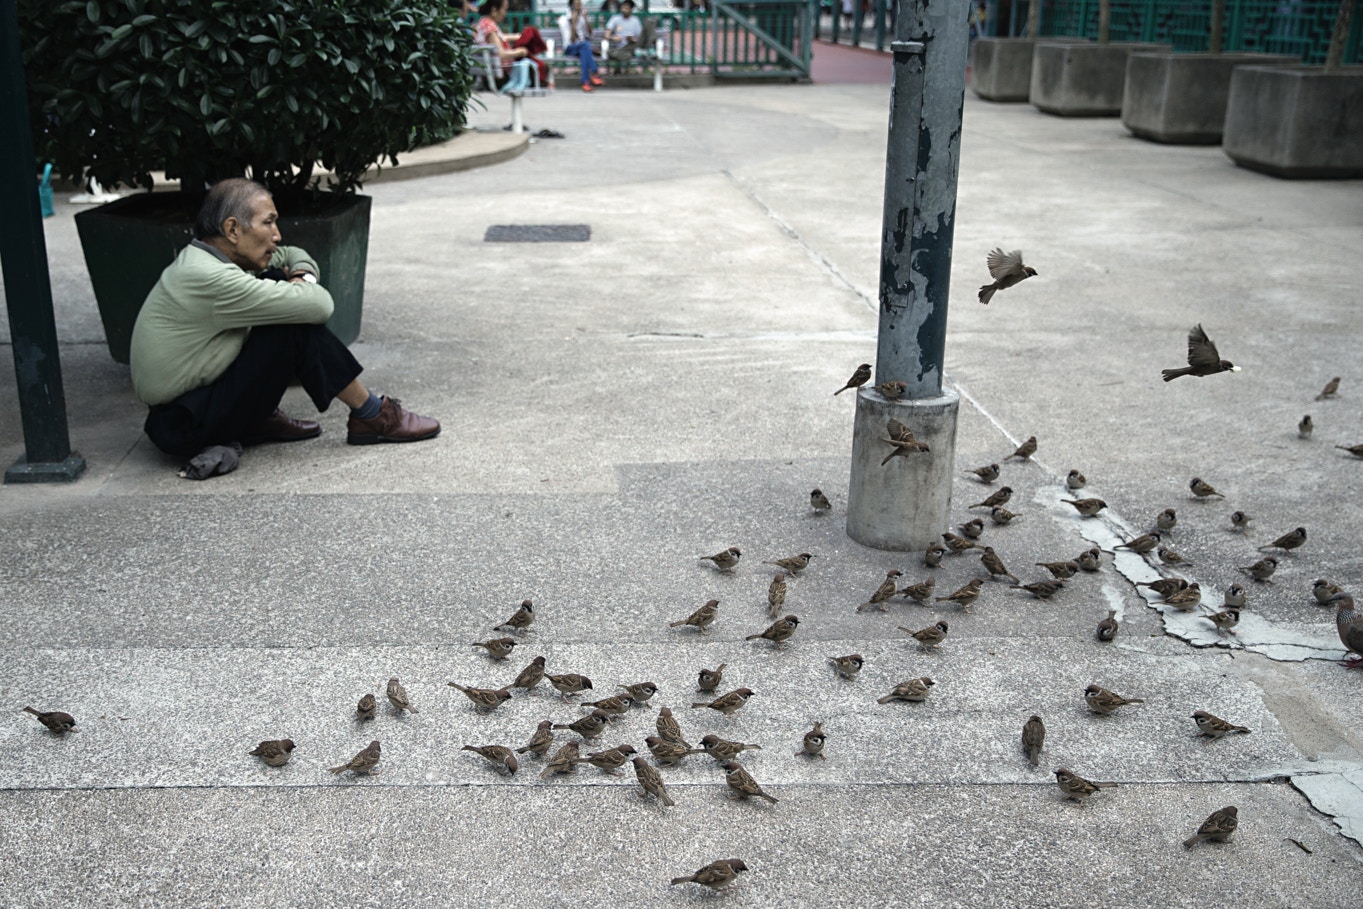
pixel 280 427
pixel 393 424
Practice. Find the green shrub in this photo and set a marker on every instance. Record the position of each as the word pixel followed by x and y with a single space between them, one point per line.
pixel 206 89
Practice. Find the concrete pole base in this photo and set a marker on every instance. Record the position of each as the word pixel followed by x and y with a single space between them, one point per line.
pixel 904 505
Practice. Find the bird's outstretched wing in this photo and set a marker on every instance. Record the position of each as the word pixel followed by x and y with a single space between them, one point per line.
pixel 1001 263
pixel 1201 350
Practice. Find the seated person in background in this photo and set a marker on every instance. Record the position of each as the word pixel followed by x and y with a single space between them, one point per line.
pixel 217 342
pixel 628 33
pixel 524 45
pixel 576 29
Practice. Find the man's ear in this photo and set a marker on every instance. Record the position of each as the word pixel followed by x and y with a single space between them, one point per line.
pixel 231 229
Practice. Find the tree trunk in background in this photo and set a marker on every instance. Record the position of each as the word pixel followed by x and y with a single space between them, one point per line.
pixel 1104 21
pixel 1034 19
pixel 1340 35
pixel 1218 27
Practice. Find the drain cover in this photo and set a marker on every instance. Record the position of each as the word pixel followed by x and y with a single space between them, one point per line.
pixel 538 233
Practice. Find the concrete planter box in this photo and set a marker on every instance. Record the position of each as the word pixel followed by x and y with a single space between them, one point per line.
pixel 1296 121
pixel 1181 98
pixel 1082 80
pixel 1001 68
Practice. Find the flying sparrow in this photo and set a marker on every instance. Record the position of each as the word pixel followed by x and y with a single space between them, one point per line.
pixel 813 743
pixel 1033 738
pixel 1000 515
pixel 727 703
pixel 994 565
pixel 792 565
pixel 1184 600
pixel 397 696
pixel 915 690
pixel 274 753
pixel 1144 543
pixel 1218 827
pixel 1304 427
pixel 725 560
pixel 497 648
pixel 778 632
pixel 921 592
pixel 776 595
pixel 1288 541
pixel 928 638
pixel 668 753
pixel 366 761
pixel 972 529
pixel 957 545
pixel 1025 450
pixel 709 679
pixel 1203 360
pixel 651 781
pixel 485 700
pixel 1043 589
pixel 859 378
pixel 1322 590
pixel 1170 557
pixel 520 619
pixel 903 449
pixel 892 390
pixel 1355 450
pixel 589 726
pixel 614 706
pixel 986 474
pixel 722 750
pixel 1331 387
pixel 1076 787
pixel 668 727
pixel 1225 620
pixel 1202 489
pixel 565 760
pixel 612 759
pixel 1166 520
pixel 818 501
pixel 1213 726
pixel 965 596
pixel 716 875
pixel 898 431
pixel 498 755
pixel 701 618
pixel 1349 624
pixel 1061 571
pixel 932 556
pixel 1090 559
pixel 1006 269
pixel 1234 596
pixel 642 692
pixel 1262 570
pixel 541 740
pixel 848 666
pixel 569 683
pixel 1086 507
pixel 741 783
pixel 888 588
pixel 531 675
pixel 1239 520
pixel 1165 586
pixel 1104 702
pixel 999 497
pixel 1075 480
pixel 55 720
pixel 365 709
pixel 1107 628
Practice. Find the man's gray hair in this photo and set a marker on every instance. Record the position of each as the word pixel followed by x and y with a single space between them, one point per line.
pixel 231 198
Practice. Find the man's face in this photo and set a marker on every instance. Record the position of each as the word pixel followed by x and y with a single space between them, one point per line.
pixel 626 9
pixel 253 246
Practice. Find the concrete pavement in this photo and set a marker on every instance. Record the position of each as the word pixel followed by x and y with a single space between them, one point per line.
pixel 616 408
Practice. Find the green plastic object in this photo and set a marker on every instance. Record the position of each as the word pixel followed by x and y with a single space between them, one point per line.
pixel 45 193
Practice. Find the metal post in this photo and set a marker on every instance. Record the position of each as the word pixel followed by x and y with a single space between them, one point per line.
pixel 28 289
pixel 903 504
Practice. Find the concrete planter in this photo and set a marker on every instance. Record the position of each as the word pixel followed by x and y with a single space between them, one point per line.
pixel 1296 121
pixel 1001 68
pixel 1181 98
pixel 1082 80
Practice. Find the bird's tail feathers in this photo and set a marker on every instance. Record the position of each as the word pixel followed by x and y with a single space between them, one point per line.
pixel 987 293
pixel 1172 374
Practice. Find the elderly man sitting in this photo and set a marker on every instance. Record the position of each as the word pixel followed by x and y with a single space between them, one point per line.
pixel 232 321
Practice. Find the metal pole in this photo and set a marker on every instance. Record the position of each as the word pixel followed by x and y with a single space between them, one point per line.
pixel 903 504
pixel 28 290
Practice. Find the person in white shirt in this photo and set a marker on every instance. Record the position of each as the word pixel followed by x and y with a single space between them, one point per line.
pixel 628 33
pixel 576 29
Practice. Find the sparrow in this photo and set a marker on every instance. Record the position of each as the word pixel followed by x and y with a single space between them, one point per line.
pixel 1061 571
pixel 613 706
pixel 1086 507
pixel 610 760
pixel 565 760
pixel 641 692
pixel 741 783
pixel 709 679
pixel 1331 387
pixel 498 755
pixel 1288 541
pixel 651 781
pixel 892 390
pixel 1349 624
pixel 1033 738
pixel 888 588
pixel 364 762
pixel 813 743
pixel 725 560
pixel 365 709
pixel 778 632
pixel 540 740
pixel 1304 427
pixel 274 753
pixel 1355 450
pixel 701 618
pixel 1166 520
pixel 1164 586
pixel 792 565
pixel 994 565
pixel 1234 596
pixel 397 696
pixel 1202 489
pixel 915 690
pixel 957 545
pixel 1262 570
pixel 1225 620
pixel 1107 628
pixel 569 683
pixel 903 449
pixel 1000 497
pixel 668 728
pixel 668 753
pixel 727 703
pixel 927 638
pixel 1075 480
pixel 520 619
pixel 1006 269
pixel 848 666
pixel 965 596
pixel 485 700
pixel 972 529
pixel 776 595
pixel 1144 543
pixel 921 592
pixel 497 648
pixel 1203 360
pixel 1043 589
pixel 1239 520
pixel 55 720
pixel 1090 559
pixel 1000 515
pixel 1104 702
pixel 1025 450
pixel 1170 557
pixel 716 875
pixel 1211 725
pixel 1322 590
pixel 531 675
pixel 1218 827
pixel 986 474
pixel 932 556
pixel 1184 600
pixel 818 501
pixel 898 431
pixel 859 378
pixel 589 726
pixel 1076 787
pixel 722 750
